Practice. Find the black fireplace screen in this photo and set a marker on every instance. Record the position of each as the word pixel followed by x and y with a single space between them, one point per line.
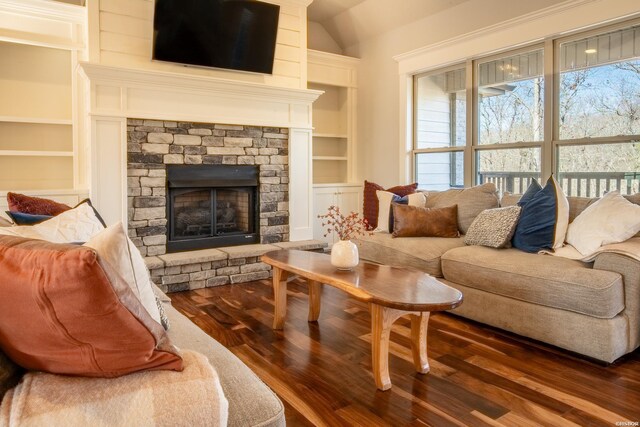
pixel 211 206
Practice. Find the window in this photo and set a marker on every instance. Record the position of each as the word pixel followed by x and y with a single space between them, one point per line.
pixel 599 106
pixel 591 141
pixel 440 123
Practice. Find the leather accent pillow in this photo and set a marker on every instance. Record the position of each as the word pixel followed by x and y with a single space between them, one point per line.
pixel 64 310
pixel 414 221
pixel 385 211
pixel 370 203
pixel 34 205
pixel 493 227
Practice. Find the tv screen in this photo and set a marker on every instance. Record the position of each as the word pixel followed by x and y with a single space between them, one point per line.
pixel 232 34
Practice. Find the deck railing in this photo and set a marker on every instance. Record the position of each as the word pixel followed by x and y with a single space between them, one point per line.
pixel 582 184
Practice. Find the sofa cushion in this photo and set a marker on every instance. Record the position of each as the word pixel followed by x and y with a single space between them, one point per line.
pixel 470 201
pixel 64 310
pixel 422 253
pixel 540 279
pixel 251 402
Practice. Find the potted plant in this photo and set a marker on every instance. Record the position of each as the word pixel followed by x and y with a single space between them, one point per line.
pixel 344 253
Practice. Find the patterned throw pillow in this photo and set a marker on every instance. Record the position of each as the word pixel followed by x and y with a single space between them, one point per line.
pixel 493 227
pixel 370 205
pixel 34 205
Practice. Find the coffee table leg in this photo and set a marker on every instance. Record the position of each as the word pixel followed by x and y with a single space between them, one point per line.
pixel 315 289
pixel 279 297
pixel 381 320
pixel 419 323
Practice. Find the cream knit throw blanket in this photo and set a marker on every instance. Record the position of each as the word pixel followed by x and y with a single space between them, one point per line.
pixel 193 397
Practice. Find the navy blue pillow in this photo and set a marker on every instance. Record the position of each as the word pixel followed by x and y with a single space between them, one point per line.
pixel 398 201
pixel 21 218
pixel 542 219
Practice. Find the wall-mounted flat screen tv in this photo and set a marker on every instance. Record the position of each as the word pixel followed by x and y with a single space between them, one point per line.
pixel 231 34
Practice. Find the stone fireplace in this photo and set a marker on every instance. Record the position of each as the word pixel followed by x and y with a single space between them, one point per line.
pixel 204 185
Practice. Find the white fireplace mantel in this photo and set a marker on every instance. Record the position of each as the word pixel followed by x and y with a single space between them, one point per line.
pixel 115 94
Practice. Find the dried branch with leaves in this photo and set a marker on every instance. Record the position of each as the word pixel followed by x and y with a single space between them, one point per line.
pixel 346 227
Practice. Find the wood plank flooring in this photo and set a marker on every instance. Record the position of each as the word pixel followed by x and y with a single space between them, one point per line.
pixel 479 376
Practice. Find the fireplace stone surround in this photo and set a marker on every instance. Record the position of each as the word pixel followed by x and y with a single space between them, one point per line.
pixel 154 144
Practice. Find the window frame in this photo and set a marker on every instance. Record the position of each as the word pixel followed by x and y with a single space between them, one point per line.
pixel 415 151
pixel 551 143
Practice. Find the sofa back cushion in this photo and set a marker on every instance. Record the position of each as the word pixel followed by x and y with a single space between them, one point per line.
pixel 63 310
pixel 470 201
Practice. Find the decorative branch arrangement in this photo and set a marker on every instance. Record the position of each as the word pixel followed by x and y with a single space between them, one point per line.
pixel 347 227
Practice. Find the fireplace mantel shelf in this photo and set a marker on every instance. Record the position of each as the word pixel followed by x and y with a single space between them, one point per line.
pixel 187 83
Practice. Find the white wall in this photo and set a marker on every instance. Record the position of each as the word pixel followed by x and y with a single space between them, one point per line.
pixel 378 89
pixel 121 32
pixel 319 39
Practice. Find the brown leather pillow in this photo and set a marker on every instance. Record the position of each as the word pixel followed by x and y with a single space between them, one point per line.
pixel 65 311
pixel 370 203
pixel 414 221
pixel 34 205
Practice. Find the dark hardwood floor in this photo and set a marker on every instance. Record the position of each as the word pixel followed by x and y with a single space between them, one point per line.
pixel 479 376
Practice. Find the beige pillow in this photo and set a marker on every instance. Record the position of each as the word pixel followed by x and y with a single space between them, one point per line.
pixel 114 246
pixel 494 227
pixel 73 226
pixel 470 201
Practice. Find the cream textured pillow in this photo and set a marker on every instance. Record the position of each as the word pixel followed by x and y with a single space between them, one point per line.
pixel 75 225
pixel 493 227
pixel 612 219
pixel 114 246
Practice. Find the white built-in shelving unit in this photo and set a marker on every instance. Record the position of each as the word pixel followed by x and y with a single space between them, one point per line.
pixel 41 44
pixel 335 178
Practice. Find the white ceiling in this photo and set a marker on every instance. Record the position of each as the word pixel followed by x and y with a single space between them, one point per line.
pixel 352 21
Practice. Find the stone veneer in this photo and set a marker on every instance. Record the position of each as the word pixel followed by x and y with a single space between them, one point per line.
pixel 153 144
pixel 214 267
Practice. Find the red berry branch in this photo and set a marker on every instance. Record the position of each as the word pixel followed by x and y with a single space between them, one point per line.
pixel 347 227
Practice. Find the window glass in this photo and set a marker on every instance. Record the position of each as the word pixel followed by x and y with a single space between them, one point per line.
pixel 600 85
pixel 591 170
pixel 510 169
pixel 441 110
pixel 511 99
pixel 440 171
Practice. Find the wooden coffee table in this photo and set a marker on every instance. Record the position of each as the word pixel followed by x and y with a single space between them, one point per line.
pixel 390 291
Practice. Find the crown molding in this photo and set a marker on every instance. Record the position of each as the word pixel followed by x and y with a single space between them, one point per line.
pixel 505 25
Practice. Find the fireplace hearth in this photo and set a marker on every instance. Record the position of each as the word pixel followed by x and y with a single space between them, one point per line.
pixel 211 206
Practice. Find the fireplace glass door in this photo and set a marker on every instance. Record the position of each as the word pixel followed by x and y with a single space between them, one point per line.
pixel 192 214
pixel 233 211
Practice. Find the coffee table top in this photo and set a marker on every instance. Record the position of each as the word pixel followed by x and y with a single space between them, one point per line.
pixel 393 287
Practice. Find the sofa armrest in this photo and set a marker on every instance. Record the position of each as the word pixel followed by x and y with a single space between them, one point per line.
pixel 629 268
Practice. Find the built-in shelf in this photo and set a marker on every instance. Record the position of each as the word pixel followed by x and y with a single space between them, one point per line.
pixel 16 153
pixel 36 120
pixel 339 158
pixel 329 135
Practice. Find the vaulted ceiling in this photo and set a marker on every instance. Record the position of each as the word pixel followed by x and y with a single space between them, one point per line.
pixel 352 21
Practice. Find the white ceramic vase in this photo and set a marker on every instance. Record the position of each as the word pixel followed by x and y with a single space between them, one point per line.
pixel 344 255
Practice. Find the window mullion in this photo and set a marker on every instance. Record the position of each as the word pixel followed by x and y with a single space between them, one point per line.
pixel 472 126
pixel 550 108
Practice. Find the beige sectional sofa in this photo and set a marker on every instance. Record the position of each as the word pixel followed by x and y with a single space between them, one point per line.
pixel 589 308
